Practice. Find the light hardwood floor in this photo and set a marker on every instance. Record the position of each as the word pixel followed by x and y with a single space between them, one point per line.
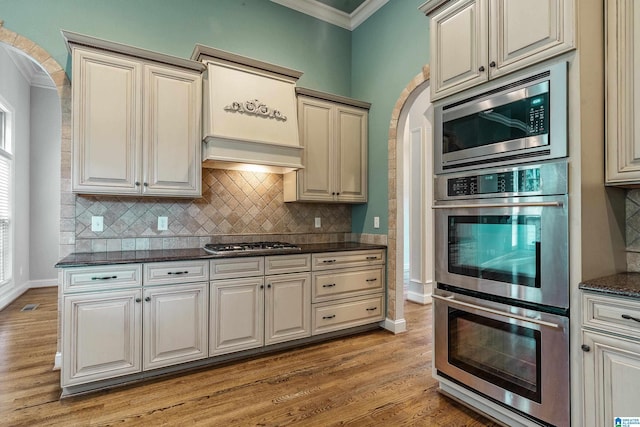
pixel 372 379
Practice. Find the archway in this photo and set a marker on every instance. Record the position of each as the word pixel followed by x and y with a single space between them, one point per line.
pixel 395 253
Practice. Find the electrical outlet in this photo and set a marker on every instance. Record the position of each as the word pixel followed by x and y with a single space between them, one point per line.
pixel 97 223
pixel 163 223
pixel 376 222
pixel 318 222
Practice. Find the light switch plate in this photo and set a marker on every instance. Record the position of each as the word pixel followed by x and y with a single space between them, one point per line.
pixel 163 223
pixel 97 223
pixel 376 222
pixel 318 222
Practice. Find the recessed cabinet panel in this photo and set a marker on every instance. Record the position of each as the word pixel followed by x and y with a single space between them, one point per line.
pixel 236 315
pixel 172 137
pixel 101 336
pixel 287 307
pixel 352 130
pixel 623 92
pixel 459 44
pixel 107 122
pixel 317 124
pixel 175 322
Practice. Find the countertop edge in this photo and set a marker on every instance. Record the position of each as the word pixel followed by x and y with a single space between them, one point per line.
pixel 88 259
pixel 622 284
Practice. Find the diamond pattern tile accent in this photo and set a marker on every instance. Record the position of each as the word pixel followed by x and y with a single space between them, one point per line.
pixel 234 204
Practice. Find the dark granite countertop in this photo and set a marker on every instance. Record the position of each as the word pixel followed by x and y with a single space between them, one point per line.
pixel 621 284
pixel 130 257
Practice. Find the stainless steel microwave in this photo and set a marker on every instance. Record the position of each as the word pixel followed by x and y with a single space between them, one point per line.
pixel 513 120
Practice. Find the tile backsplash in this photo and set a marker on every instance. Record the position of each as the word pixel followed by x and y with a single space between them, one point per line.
pixel 234 206
pixel 632 229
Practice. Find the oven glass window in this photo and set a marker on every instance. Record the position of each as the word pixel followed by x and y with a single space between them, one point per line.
pixel 516 120
pixel 504 248
pixel 501 353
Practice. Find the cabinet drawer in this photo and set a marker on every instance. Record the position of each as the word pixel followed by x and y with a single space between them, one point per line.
pixel 346 283
pixel 612 314
pixel 230 268
pixel 166 273
pixel 79 279
pixel 331 260
pixel 278 264
pixel 329 317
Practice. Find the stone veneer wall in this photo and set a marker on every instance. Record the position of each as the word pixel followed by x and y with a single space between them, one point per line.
pixel 235 206
pixel 632 229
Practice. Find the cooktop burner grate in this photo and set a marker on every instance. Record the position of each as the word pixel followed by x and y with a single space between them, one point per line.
pixel 218 248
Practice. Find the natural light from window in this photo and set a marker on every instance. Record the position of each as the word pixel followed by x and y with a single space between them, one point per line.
pixel 6 164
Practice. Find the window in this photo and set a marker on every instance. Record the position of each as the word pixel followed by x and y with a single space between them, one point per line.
pixel 6 174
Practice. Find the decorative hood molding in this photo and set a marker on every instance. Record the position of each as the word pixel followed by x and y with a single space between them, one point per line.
pixel 250 113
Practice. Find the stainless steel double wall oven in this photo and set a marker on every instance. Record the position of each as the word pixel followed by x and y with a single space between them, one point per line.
pixel 501 304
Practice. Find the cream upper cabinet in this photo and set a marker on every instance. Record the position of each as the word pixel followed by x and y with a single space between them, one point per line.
pixel 473 41
pixel 334 134
pixel 623 92
pixel 136 121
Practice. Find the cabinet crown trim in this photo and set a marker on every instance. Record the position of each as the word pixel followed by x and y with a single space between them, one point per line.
pixel 76 39
pixel 332 97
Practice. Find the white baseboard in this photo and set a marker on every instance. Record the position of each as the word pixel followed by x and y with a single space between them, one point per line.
pixel 13 294
pixel 395 326
pixel 419 298
pixel 57 362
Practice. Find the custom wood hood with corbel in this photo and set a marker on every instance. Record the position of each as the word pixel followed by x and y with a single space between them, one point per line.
pixel 249 113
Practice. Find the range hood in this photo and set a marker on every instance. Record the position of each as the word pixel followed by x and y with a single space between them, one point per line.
pixel 250 118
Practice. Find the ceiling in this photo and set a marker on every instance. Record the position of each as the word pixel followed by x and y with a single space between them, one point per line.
pixel 33 73
pixel 343 13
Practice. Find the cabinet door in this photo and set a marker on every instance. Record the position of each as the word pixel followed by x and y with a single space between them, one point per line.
pixel 175 324
pixel 351 149
pixel 459 47
pixel 287 307
pixel 172 143
pixel 522 33
pixel 623 92
pixel 612 375
pixel 316 121
pixel 236 315
pixel 101 336
pixel 107 125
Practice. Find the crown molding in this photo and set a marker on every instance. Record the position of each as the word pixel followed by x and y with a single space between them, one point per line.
pixel 333 16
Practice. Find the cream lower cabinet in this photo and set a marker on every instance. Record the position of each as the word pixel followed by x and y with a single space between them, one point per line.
pixel 263 308
pixel 611 356
pixel 110 333
pixel 333 131
pixel 347 290
pixel 136 121
pixel 623 92
pixel 101 336
pixel 473 41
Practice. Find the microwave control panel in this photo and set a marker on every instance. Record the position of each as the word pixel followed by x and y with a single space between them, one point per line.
pixel 517 181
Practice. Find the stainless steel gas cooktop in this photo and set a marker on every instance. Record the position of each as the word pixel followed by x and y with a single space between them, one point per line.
pixel 222 248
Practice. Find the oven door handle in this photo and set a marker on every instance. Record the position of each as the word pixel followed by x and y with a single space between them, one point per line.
pixel 451 299
pixel 502 205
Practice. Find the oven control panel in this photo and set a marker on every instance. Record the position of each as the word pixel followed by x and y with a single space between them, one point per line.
pixel 515 181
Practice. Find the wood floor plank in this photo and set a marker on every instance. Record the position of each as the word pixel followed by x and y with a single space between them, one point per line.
pixel 370 379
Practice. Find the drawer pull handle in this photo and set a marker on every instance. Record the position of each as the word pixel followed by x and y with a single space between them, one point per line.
pixel 372 308
pixel 627 317
pixel 104 278
pixel 372 257
pixel 331 285
pixel 329 261
pixel 329 317
pixel 371 280
pixel 178 272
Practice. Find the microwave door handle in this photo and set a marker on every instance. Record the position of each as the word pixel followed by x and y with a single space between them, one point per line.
pixel 502 205
pixel 451 300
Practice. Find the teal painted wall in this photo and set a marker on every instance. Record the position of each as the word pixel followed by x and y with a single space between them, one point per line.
pixel 257 28
pixel 388 51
